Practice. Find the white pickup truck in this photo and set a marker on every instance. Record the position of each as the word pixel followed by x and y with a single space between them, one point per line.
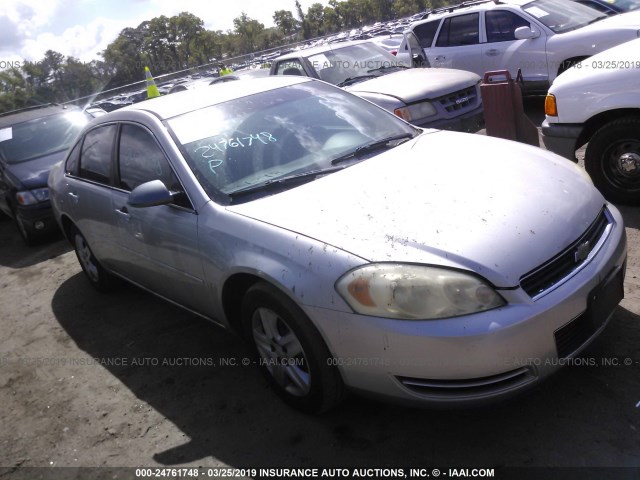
pixel 597 102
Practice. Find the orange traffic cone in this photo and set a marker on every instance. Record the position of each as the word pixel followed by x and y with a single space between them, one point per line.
pixel 152 90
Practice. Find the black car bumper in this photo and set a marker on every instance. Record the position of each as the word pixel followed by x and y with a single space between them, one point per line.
pixel 561 138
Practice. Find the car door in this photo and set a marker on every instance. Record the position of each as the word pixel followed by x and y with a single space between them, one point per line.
pixel 160 243
pixel 502 51
pixel 457 44
pixel 89 175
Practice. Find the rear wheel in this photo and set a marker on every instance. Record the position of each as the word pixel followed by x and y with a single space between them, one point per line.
pixel 612 159
pixel 290 350
pixel 99 278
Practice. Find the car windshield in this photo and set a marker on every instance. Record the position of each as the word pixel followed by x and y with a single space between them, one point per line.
pixel 343 65
pixel 562 16
pixel 42 136
pixel 304 130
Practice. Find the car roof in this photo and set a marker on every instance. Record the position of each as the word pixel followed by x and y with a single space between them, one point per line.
pixel 31 113
pixel 307 52
pixel 169 106
pixel 470 6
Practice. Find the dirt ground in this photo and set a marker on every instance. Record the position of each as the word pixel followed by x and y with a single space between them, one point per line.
pixel 125 379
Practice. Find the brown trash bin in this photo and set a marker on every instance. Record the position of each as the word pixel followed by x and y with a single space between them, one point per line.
pixel 503 109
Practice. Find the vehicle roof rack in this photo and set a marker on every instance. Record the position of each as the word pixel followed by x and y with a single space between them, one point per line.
pixel 451 8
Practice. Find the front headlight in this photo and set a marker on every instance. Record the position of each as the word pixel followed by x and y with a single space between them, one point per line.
pixel 31 197
pixel 416 111
pixel 415 292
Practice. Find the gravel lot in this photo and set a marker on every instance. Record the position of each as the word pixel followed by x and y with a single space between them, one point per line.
pixel 125 379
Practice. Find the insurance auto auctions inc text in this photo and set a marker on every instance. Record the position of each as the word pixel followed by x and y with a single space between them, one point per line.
pixel 374 472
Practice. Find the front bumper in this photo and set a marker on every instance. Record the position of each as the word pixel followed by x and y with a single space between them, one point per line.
pixel 561 139
pixel 474 358
pixel 38 219
pixel 470 122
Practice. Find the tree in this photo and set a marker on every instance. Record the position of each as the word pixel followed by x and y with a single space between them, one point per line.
pixel 315 20
pixel 285 22
pixel 14 90
pixel 248 31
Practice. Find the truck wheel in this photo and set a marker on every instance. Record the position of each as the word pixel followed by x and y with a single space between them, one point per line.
pixel 612 160
pixel 290 351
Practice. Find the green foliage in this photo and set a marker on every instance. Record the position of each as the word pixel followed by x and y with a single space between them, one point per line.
pixel 170 44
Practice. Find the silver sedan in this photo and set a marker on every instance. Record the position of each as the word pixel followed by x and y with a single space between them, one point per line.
pixel 353 250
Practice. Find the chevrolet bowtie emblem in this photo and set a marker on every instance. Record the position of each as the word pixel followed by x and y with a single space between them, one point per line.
pixel 582 252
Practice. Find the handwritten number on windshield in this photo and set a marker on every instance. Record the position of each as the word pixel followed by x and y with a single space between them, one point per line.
pixel 209 150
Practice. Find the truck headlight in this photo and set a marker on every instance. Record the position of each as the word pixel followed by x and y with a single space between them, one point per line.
pixel 416 111
pixel 415 292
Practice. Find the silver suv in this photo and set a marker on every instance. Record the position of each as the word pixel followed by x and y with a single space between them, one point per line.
pixel 542 38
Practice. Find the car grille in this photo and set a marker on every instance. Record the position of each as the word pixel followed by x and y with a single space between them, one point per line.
pixel 460 100
pixel 551 273
pixel 469 388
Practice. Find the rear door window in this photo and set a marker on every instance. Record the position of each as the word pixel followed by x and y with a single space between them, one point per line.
pixel 97 151
pixel 460 30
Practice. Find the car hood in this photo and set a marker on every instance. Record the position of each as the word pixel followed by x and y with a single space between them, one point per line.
pixel 601 35
pixel 416 84
pixel 494 207
pixel 34 173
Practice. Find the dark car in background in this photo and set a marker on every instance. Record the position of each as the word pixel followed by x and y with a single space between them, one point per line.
pixel 32 140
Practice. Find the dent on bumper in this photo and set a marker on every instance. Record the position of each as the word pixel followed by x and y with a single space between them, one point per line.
pixel 478 357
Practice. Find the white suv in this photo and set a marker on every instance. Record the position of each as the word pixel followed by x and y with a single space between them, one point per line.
pixel 540 37
pixel 597 102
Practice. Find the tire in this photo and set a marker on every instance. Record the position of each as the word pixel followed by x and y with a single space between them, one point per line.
pixel 98 277
pixel 612 160
pixel 290 350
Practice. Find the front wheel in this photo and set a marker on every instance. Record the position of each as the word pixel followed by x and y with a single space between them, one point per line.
pixel 612 159
pixel 290 350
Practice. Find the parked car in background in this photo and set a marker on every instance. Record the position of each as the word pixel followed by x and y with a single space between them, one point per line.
pixel 542 38
pixel 426 97
pixel 350 248
pixel 597 102
pixel 390 43
pixel 32 140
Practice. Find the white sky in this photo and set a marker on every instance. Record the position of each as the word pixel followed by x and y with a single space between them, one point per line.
pixel 83 28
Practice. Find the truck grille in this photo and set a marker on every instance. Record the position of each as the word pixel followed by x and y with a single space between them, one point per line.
pixel 460 100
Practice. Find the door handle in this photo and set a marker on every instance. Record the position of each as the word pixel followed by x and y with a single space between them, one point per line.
pixel 440 58
pixel 492 53
pixel 123 213
pixel 74 197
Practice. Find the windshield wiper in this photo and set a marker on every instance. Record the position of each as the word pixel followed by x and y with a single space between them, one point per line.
pixel 372 147
pixel 356 79
pixel 386 67
pixel 277 183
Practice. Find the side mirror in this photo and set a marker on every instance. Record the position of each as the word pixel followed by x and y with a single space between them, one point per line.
pixel 150 194
pixel 524 33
